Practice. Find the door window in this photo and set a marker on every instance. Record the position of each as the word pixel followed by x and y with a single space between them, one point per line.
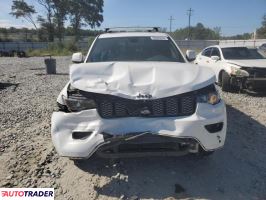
pixel 207 52
pixel 215 52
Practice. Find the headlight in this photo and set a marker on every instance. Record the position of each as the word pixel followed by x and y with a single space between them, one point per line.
pixel 76 104
pixel 238 72
pixel 211 97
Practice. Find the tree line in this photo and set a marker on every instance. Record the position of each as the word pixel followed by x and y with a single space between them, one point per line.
pixel 80 13
pixel 89 13
pixel 200 32
pixel 33 35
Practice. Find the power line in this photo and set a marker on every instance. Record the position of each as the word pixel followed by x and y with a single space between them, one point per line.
pixel 171 20
pixel 189 16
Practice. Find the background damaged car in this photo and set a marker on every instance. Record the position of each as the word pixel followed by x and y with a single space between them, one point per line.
pixel 235 67
pixel 135 94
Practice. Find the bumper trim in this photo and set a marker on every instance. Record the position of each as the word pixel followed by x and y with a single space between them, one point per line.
pixel 115 141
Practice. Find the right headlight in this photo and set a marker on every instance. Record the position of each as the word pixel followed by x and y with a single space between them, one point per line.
pixel 210 96
pixel 76 102
pixel 238 72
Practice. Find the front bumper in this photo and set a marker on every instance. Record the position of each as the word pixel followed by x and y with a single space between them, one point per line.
pixel 249 83
pixel 256 84
pixel 65 124
pixel 256 81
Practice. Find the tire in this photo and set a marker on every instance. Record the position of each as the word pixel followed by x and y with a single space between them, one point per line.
pixel 225 83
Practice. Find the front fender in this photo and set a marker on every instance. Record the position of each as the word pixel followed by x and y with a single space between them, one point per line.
pixel 62 93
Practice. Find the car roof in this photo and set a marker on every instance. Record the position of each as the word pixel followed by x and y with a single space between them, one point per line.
pixel 133 34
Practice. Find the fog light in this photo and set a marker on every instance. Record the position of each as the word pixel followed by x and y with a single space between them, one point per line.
pixel 213 128
pixel 213 99
pixel 81 135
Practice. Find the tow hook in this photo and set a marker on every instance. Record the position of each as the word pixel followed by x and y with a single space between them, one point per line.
pixel 219 138
pixel 194 148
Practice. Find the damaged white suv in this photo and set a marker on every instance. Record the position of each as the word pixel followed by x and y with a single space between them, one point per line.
pixel 135 94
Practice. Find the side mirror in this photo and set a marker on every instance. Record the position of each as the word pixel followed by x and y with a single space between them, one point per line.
pixel 77 57
pixel 190 55
pixel 215 58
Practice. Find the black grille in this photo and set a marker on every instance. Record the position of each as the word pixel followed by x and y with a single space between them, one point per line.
pixel 113 107
pixel 110 106
pixel 255 72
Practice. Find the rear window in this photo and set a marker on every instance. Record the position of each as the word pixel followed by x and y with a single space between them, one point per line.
pixel 135 49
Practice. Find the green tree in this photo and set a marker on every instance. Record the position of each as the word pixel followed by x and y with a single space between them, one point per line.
pixel 60 10
pixel 198 32
pixel 264 20
pixel 47 24
pixel 20 9
pixel 261 32
pixel 218 31
pixel 5 33
pixel 85 12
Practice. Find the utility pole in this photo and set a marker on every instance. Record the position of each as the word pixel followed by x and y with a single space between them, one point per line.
pixel 171 20
pixel 26 32
pixel 189 16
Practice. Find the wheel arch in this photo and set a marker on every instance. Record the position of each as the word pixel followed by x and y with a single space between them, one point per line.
pixel 220 75
pixel 226 70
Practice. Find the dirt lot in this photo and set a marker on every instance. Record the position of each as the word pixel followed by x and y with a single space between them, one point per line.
pixel 27 100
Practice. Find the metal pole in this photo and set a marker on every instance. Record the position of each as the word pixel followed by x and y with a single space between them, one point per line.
pixel 189 16
pixel 171 20
pixel 171 24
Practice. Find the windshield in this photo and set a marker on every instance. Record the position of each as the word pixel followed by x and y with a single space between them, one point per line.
pixel 135 49
pixel 241 53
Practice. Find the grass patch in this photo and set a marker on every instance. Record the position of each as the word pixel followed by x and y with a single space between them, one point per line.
pixel 55 49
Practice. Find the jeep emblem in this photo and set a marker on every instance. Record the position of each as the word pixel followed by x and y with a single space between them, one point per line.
pixel 144 96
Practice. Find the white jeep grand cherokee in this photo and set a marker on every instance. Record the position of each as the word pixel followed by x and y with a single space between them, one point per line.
pixel 136 95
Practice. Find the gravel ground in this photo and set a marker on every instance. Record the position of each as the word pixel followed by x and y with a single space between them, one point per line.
pixel 28 159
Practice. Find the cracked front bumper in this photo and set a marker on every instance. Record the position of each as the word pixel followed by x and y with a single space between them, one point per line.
pixel 65 124
pixel 256 83
pixel 250 83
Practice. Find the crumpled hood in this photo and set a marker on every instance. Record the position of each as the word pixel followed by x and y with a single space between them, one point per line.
pixel 129 79
pixel 261 63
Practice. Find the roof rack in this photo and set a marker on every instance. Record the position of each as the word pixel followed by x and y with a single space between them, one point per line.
pixel 132 29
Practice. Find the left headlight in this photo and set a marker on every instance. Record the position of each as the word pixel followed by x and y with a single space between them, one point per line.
pixel 210 96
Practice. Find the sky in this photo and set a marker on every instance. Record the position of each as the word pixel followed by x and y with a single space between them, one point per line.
pixel 233 16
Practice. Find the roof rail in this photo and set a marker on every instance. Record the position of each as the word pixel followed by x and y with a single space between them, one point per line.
pixel 132 29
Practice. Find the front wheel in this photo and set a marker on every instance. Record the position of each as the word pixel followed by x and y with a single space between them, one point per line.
pixel 225 84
